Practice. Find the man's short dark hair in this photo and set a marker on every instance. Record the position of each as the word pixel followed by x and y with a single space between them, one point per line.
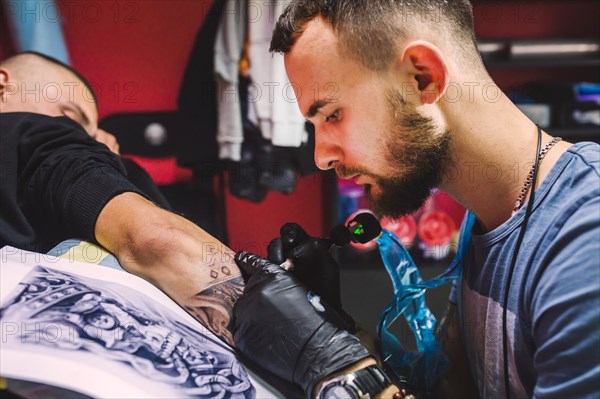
pixel 369 29
pixel 53 60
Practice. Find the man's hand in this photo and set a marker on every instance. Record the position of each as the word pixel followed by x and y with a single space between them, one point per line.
pixel 313 265
pixel 276 326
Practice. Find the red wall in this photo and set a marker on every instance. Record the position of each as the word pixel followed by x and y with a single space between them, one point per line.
pixel 133 52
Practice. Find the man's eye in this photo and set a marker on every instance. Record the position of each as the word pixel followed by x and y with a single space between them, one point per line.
pixel 332 116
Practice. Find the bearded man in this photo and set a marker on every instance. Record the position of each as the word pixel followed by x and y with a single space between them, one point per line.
pixel 379 79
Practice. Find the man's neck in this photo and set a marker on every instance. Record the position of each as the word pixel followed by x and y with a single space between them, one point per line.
pixel 493 151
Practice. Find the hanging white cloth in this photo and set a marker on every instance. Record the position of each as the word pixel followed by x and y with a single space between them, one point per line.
pixel 271 96
pixel 272 105
pixel 229 44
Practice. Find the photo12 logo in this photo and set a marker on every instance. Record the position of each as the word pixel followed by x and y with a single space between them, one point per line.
pixel 71 11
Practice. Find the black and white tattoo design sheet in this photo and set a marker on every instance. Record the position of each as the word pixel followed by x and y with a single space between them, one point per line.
pixel 107 333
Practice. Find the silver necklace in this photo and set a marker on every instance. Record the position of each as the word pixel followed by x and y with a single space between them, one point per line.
pixel 529 178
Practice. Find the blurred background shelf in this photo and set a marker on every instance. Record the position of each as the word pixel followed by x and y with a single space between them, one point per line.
pixel 545 63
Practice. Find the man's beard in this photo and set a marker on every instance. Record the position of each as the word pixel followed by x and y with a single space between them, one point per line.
pixel 418 155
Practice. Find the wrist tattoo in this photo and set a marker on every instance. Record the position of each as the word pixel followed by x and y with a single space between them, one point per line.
pixel 213 307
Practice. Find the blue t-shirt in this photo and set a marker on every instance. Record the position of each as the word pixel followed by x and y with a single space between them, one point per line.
pixel 553 314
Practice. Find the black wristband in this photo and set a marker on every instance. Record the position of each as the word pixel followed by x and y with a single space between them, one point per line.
pixel 372 380
pixel 364 383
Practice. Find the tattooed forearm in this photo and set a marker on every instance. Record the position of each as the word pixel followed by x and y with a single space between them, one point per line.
pixel 213 307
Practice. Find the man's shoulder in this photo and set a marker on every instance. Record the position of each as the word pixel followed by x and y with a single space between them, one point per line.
pixel 572 207
pixel 568 226
pixel 586 154
pixel 563 234
pixel 575 181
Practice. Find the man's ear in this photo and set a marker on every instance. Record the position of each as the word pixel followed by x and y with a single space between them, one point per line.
pixel 427 72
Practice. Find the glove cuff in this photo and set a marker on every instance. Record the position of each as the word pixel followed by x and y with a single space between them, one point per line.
pixel 335 350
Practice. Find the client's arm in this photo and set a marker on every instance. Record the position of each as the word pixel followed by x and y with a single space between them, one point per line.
pixel 188 264
pixel 71 186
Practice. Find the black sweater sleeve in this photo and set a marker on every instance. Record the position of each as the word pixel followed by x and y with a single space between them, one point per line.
pixel 65 177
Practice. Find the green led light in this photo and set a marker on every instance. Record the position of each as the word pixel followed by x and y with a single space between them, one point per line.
pixel 358 230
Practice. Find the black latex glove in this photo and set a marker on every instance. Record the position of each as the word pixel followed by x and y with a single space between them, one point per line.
pixel 313 265
pixel 275 326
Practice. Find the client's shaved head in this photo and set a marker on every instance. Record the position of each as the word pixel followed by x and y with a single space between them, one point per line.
pixel 30 64
pixel 33 82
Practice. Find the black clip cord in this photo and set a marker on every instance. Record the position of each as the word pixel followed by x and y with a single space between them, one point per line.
pixel 511 270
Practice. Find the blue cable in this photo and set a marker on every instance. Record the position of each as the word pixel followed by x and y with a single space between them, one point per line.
pixel 424 368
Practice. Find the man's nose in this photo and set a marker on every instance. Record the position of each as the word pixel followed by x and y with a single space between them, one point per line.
pixel 327 152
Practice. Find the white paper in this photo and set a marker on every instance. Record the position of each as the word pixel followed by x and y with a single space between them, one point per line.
pixel 109 334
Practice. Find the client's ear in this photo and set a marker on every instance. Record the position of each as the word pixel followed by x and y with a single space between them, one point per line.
pixel 6 86
pixel 3 79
